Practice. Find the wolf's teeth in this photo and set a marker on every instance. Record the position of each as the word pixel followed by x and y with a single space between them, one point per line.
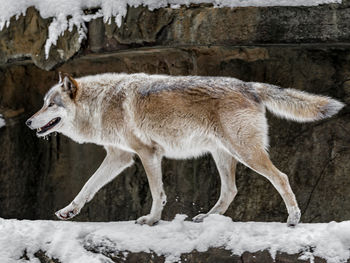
pixel 39 129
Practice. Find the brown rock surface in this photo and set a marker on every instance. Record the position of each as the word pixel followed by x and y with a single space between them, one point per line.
pixel 196 25
pixel 39 177
pixel 204 25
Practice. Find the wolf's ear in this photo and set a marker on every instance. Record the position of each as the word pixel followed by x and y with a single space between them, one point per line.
pixel 70 86
pixel 60 78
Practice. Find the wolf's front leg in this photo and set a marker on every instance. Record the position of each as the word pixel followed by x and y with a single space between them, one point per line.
pixel 152 164
pixel 115 162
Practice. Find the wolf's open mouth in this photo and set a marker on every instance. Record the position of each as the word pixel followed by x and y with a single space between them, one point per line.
pixel 49 126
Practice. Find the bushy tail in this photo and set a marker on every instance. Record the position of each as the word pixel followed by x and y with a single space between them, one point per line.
pixel 297 105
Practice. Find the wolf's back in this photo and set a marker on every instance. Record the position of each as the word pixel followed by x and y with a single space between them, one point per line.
pixel 297 105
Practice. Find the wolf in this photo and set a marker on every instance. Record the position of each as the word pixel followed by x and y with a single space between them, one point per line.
pixel 156 116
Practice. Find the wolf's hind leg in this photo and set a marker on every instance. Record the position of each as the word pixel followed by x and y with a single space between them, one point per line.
pixel 258 160
pixel 152 163
pixel 226 166
pixel 244 135
pixel 114 163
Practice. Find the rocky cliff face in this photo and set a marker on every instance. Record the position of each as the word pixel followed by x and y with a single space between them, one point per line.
pixel 307 48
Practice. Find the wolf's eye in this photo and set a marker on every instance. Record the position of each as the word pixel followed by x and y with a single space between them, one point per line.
pixel 51 104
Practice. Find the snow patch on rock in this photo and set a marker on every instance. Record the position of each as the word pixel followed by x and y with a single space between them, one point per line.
pixel 67 241
pixel 67 14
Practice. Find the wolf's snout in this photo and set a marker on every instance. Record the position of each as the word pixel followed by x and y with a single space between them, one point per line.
pixel 29 123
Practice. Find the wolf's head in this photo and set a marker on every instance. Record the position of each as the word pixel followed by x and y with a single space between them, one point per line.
pixel 58 108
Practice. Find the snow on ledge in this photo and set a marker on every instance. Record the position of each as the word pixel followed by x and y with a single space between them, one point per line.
pixel 2 121
pixel 60 10
pixel 66 240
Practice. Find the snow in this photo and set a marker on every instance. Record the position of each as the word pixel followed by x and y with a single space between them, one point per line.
pixel 66 240
pixel 2 121
pixel 67 14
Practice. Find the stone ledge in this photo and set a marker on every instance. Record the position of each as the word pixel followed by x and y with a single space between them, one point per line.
pixel 213 255
pixel 205 25
pixel 195 25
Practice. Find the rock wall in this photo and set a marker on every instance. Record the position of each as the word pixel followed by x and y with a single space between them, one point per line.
pixel 306 48
pixel 213 255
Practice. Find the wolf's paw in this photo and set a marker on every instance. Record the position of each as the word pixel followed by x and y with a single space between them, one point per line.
pixel 199 218
pixel 293 218
pixel 68 212
pixel 148 219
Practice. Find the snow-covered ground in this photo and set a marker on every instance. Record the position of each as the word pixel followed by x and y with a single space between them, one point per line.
pixel 67 13
pixel 66 240
pixel 2 121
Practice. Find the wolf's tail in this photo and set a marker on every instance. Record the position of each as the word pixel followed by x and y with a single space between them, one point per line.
pixel 297 105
